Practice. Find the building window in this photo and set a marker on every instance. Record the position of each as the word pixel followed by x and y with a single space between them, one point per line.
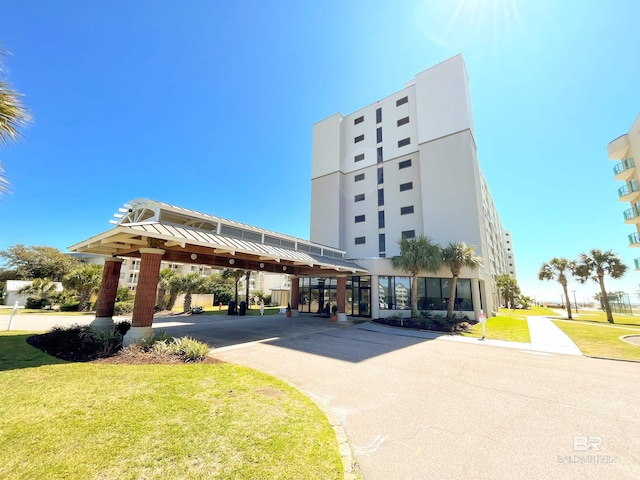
pixel 379 154
pixel 361 240
pixel 403 121
pixel 381 219
pixel 402 101
pixel 409 234
pixel 359 197
pixel 359 218
pixel 357 158
pixel 406 210
pixel 358 120
pixel 394 293
pixel 404 164
pixel 401 143
pixel 381 243
pixel 378 115
pixel 380 176
pixel 406 186
pixel 379 135
pixel 360 138
pixel 381 197
pixel 358 177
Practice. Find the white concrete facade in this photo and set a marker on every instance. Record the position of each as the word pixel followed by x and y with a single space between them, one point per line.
pixel 411 156
pixel 624 150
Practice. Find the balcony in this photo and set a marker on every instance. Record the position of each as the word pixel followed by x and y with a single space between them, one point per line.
pixel 625 169
pixel 636 263
pixel 632 215
pixel 618 148
pixel 629 192
pixel 634 240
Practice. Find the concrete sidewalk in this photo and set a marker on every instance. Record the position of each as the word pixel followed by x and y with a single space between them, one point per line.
pixel 547 337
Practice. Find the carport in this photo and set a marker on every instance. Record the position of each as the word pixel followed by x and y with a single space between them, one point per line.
pixel 154 232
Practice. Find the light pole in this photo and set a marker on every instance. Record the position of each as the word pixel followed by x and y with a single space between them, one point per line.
pixel 575 301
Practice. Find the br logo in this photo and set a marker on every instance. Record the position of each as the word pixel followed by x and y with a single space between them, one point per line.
pixel 581 444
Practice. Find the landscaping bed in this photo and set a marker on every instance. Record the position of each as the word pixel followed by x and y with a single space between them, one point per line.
pixel 436 324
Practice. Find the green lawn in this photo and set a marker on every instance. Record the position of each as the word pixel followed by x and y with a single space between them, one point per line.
pixel 503 327
pixel 529 312
pixel 598 316
pixel 601 340
pixel 191 421
pixel 9 310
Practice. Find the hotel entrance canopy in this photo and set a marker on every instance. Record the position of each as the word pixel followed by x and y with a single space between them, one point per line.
pixel 187 236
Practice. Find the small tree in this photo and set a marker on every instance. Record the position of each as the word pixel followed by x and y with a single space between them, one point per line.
pixel 221 287
pixel 175 287
pixel 595 265
pixel 417 255
pixel 456 256
pixel 525 300
pixel 557 269
pixel 84 280
pixel 41 290
pixel 164 284
pixel 192 284
pixel 509 289
pixel 236 276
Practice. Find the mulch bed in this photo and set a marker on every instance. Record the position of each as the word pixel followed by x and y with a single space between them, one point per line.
pixel 51 344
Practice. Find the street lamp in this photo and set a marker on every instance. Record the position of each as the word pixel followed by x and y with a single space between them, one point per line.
pixel 574 300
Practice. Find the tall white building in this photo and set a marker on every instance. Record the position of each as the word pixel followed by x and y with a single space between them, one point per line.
pixel 623 150
pixel 406 165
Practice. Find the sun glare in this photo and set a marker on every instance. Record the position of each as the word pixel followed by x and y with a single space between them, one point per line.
pixel 463 23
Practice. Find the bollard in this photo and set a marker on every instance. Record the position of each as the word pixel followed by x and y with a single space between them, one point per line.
pixel 14 312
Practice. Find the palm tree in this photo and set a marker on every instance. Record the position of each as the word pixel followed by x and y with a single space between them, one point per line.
pixel 42 290
pixel 13 116
pixel 417 255
pixel 456 256
pixel 164 283
pixel 175 287
pixel 85 280
pixel 557 269
pixel 192 284
pixel 596 265
pixel 509 289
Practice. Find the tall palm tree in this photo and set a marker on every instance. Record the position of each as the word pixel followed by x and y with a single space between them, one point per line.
pixel 417 255
pixel 13 116
pixel 596 264
pixel 85 280
pixel 509 289
pixel 164 283
pixel 175 287
pixel 42 289
pixel 557 269
pixel 457 256
pixel 192 284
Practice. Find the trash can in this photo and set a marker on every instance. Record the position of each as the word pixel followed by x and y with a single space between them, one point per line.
pixel 232 308
pixel 243 308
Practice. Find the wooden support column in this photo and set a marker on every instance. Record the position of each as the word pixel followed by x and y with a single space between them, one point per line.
pixel 295 295
pixel 340 297
pixel 107 294
pixel 145 301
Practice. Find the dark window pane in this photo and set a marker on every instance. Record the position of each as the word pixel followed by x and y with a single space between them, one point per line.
pixel 402 101
pixel 406 186
pixel 379 154
pixel 359 197
pixel 404 164
pixel 360 240
pixel 381 219
pixel 401 143
pixel 357 158
pixel 378 115
pixel 379 135
pixel 360 138
pixel 358 177
pixel 406 210
pixel 409 234
pixel 403 121
pixel 380 175
pixel 381 243
pixel 358 120
pixel 359 218
pixel 381 197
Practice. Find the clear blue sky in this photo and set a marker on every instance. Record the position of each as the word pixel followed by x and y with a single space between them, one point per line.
pixel 210 105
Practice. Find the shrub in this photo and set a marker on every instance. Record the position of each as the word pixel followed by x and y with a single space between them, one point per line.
pixel 192 350
pixel 267 299
pixel 69 307
pixel 36 303
pixel 122 327
pixel 122 308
